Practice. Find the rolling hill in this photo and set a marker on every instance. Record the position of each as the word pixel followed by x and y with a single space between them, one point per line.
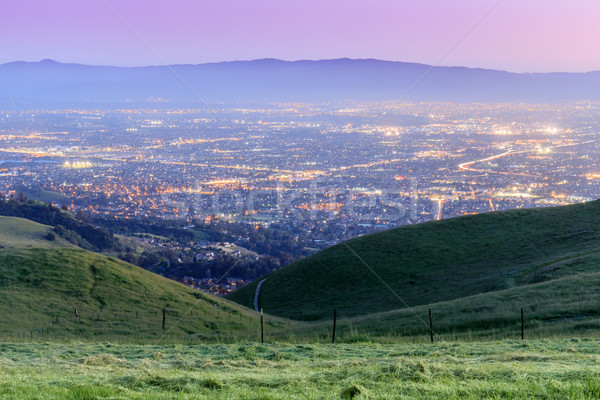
pixel 475 272
pixel 69 293
pixel 563 307
pixel 52 289
pixel 44 196
pixel 66 226
pixel 21 232
pixel 436 262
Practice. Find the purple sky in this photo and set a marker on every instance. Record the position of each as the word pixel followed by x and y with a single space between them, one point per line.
pixel 518 35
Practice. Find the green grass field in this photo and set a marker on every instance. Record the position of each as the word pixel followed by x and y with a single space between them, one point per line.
pixel 544 369
pixel 566 307
pixel 435 262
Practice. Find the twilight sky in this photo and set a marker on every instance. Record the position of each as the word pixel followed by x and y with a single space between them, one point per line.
pixel 517 35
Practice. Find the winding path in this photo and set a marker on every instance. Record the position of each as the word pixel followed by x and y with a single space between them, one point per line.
pixel 257 293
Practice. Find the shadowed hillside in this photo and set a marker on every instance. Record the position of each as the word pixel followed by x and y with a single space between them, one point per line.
pixel 435 261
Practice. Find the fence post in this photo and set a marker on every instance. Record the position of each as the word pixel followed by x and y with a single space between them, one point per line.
pixel 522 325
pixel 262 339
pixel 334 321
pixel 430 326
pixel 164 318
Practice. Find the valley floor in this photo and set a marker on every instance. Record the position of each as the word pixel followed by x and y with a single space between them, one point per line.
pixel 549 369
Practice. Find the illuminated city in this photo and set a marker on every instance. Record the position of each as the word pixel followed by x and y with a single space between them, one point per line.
pixel 308 176
pixel 362 164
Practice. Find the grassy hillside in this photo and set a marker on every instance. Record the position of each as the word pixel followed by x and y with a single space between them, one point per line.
pixel 41 288
pixel 19 232
pixel 119 302
pixel 44 195
pixel 435 262
pixel 554 278
pixel 77 231
pixel 568 307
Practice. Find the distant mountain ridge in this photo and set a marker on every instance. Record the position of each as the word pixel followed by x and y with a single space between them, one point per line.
pixel 271 80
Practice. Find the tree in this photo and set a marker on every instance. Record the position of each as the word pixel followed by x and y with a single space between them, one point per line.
pixel 82 216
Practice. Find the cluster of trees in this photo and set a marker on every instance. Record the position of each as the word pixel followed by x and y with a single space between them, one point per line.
pixel 174 265
pixel 277 245
pixel 154 226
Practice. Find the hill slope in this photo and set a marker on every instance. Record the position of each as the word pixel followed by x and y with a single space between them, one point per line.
pixel 20 232
pixel 81 233
pixel 40 289
pixel 433 262
pixel 563 307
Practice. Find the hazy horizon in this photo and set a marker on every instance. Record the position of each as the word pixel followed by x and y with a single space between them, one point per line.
pixel 297 60
pixel 539 36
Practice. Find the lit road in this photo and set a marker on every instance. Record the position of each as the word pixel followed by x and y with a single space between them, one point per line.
pixel 468 166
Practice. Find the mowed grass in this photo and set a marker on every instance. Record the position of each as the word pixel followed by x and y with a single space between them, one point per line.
pixel 544 369
pixel 20 232
pixel 432 262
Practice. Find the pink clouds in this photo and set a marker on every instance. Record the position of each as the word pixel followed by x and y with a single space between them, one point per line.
pixel 534 35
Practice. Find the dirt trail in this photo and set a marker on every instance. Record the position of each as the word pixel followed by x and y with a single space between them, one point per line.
pixel 257 293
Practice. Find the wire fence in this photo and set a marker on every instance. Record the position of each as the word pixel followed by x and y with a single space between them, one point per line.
pixel 230 324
